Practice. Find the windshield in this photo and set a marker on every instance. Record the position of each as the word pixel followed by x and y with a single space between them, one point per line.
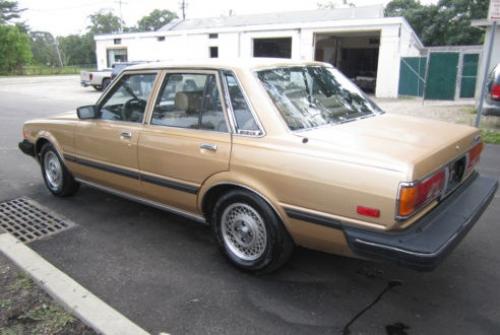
pixel 313 96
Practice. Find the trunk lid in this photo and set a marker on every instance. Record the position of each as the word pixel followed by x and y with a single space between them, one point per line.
pixel 416 146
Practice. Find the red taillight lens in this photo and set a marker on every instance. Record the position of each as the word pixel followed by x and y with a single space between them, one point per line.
pixel 91 76
pixel 412 197
pixel 474 155
pixel 495 92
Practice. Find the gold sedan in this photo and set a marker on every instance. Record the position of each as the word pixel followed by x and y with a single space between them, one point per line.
pixel 272 154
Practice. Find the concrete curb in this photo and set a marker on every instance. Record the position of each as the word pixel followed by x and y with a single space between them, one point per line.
pixel 72 296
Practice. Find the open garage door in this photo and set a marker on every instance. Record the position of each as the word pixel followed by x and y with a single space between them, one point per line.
pixel 353 53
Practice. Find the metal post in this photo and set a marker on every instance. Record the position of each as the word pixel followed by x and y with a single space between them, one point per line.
pixel 486 70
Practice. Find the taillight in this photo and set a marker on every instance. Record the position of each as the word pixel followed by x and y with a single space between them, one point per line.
pixel 495 92
pixel 473 155
pixel 413 196
pixel 91 76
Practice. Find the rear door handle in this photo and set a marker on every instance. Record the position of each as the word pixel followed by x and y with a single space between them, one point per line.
pixel 126 135
pixel 208 146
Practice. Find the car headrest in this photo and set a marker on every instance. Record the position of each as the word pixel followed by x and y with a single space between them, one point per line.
pixel 181 101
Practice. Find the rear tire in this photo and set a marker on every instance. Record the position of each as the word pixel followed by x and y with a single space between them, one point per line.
pixel 97 88
pixel 57 177
pixel 250 233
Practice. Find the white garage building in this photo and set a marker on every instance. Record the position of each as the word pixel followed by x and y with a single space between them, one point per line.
pixel 360 41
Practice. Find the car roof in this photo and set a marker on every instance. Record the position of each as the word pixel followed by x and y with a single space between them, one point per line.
pixel 220 63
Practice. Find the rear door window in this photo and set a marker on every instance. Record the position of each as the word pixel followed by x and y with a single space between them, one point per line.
pixel 190 100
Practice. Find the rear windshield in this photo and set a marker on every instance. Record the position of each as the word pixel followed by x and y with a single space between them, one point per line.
pixel 314 96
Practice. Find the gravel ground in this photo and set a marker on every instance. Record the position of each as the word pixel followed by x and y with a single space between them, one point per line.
pixel 26 309
pixel 462 111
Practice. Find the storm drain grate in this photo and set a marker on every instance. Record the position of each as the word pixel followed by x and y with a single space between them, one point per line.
pixel 28 221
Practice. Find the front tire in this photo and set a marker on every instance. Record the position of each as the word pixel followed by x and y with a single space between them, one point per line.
pixel 57 178
pixel 250 233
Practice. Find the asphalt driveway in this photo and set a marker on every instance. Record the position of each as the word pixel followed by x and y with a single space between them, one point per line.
pixel 166 274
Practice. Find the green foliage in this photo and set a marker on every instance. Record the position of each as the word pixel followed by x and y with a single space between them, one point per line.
pixel 490 136
pixel 43 47
pixel 77 50
pixel 155 20
pixel 51 319
pixel 104 23
pixel 445 23
pixel 9 10
pixel 15 49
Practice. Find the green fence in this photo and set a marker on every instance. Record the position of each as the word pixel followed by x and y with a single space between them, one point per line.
pixel 442 76
pixel 439 77
pixel 412 76
pixel 469 75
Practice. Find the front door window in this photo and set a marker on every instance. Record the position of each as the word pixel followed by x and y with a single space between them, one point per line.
pixel 127 101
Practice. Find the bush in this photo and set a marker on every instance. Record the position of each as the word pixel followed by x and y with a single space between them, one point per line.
pixel 15 49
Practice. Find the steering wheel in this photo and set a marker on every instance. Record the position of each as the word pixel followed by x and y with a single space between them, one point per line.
pixel 132 105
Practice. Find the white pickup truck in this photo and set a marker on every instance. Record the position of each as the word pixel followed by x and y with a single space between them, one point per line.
pixel 99 80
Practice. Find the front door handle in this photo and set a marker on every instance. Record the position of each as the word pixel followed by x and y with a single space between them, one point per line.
pixel 208 146
pixel 126 135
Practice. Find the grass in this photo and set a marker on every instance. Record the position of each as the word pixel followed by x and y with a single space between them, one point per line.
pixel 43 70
pixel 490 136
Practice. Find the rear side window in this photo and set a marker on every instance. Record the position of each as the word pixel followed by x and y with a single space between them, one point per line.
pixel 190 100
pixel 127 101
pixel 242 113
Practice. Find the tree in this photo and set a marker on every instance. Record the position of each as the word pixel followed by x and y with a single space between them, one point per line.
pixel 9 10
pixel 77 50
pixel 446 23
pixel 14 48
pixel 155 20
pixel 104 23
pixel 334 4
pixel 43 48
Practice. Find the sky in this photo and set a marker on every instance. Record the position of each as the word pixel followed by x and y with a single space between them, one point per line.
pixel 64 17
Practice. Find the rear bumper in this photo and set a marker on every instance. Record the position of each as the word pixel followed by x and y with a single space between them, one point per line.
pixel 27 147
pixel 85 83
pixel 425 243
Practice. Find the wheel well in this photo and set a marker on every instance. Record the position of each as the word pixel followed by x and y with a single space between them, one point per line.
pixel 38 146
pixel 216 192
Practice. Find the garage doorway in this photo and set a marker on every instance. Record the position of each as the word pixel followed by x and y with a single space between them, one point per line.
pixel 280 47
pixel 355 54
pixel 116 56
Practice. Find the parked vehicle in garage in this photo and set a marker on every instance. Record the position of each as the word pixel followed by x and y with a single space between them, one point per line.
pixel 99 80
pixel 272 153
pixel 492 100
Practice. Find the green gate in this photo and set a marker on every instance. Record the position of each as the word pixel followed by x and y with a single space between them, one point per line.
pixel 469 75
pixel 412 76
pixel 442 76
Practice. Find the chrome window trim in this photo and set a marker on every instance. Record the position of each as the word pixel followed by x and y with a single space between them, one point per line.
pixel 164 78
pixel 238 131
pixel 109 90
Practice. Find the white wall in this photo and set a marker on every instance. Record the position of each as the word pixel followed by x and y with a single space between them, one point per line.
pixel 396 40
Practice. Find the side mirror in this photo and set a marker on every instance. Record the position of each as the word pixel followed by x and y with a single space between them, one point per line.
pixel 87 112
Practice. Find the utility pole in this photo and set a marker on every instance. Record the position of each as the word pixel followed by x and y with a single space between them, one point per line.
pixel 56 42
pixel 183 6
pixel 120 2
